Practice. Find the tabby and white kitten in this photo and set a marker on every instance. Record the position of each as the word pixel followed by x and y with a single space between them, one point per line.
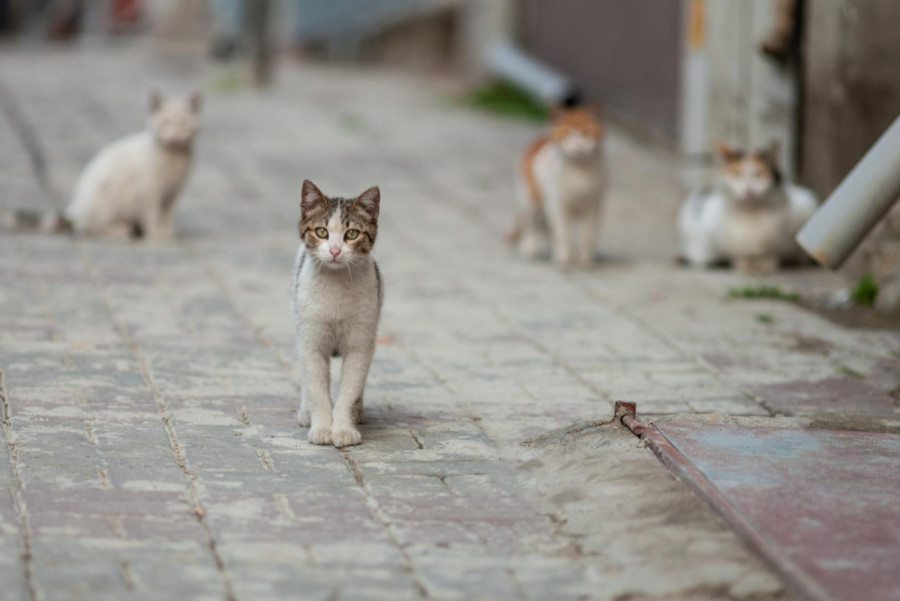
pixel 750 218
pixel 561 183
pixel 130 187
pixel 336 298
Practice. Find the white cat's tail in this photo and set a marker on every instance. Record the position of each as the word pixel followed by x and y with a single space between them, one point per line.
pixel 48 222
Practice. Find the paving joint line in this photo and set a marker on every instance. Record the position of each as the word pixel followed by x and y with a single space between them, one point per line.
pixel 17 496
pixel 371 502
pixel 162 409
pixel 625 314
pixel 385 522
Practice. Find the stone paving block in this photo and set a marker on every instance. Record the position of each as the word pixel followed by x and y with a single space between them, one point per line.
pixel 11 573
pixel 107 403
pixel 116 570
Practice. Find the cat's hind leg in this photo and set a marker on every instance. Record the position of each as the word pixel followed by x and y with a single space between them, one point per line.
pixel 304 416
pixel 534 243
pixel 359 412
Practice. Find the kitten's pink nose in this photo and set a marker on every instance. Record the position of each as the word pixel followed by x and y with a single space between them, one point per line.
pixel 335 252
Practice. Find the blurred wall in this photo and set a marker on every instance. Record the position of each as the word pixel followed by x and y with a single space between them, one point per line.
pixel 625 54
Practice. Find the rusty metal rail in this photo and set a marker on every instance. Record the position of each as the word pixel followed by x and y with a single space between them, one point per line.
pixel 688 473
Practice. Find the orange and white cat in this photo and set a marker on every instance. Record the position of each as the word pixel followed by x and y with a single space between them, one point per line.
pixel 560 190
pixel 750 218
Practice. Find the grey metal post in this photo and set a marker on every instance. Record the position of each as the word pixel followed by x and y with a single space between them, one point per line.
pixel 857 205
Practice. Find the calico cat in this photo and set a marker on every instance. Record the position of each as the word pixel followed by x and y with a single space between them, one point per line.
pixel 560 188
pixel 750 218
pixel 130 187
pixel 336 298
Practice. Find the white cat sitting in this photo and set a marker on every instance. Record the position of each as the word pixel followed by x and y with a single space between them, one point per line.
pixel 750 218
pixel 132 185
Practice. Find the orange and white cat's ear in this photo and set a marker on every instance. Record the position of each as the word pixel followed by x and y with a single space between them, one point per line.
pixel 310 196
pixel 155 100
pixel 370 200
pixel 727 153
pixel 196 101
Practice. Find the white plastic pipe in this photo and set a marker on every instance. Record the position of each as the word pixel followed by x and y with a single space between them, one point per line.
pixel 857 205
pixel 508 60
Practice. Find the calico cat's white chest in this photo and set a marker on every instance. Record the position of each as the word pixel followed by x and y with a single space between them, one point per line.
pixel 753 233
pixel 573 183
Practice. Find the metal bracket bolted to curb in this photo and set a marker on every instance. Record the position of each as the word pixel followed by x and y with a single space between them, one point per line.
pixel 627 414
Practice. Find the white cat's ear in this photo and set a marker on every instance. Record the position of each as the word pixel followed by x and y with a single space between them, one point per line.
pixel 310 196
pixel 196 101
pixel 726 153
pixel 155 101
pixel 370 200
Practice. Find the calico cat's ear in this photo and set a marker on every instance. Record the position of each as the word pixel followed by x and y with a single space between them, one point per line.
pixel 155 100
pixel 370 201
pixel 726 153
pixel 310 196
pixel 196 101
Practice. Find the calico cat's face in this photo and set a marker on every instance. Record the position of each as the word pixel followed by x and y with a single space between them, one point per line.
pixel 338 232
pixel 577 132
pixel 748 176
pixel 175 122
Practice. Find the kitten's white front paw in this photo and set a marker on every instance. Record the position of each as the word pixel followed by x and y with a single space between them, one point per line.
pixel 346 437
pixel 304 418
pixel 319 435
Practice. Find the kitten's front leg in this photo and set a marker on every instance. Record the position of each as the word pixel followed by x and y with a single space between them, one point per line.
pixel 317 401
pixel 353 381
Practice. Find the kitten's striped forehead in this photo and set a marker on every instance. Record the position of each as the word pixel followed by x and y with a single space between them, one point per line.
pixel 346 213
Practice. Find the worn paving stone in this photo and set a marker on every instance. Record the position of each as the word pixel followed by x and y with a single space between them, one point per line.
pixel 150 390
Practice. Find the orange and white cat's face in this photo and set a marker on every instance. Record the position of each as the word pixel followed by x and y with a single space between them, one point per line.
pixel 748 176
pixel 576 132
pixel 175 122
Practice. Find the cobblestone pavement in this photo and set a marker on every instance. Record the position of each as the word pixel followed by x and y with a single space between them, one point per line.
pixel 149 391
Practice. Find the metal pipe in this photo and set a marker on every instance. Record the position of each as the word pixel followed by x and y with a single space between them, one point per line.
pixel 857 205
pixel 509 61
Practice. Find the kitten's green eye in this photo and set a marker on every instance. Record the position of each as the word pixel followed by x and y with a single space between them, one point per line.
pixel 322 233
pixel 352 234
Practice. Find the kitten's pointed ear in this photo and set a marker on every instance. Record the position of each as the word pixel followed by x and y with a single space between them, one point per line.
pixel 370 200
pixel 310 196
pixel 196 101
pixel 726 153
pixel 155 100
